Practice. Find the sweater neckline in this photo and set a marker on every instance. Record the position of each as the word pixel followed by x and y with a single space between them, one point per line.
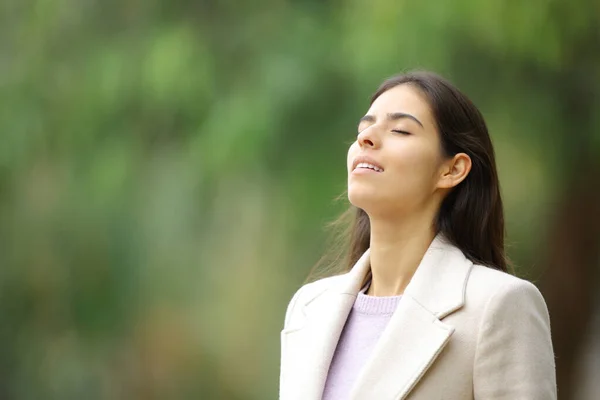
pixel 375 305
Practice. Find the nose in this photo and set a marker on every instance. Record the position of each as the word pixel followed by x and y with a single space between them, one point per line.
pixel 368 138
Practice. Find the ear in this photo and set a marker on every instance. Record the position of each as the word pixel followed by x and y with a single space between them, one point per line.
pixel 454 171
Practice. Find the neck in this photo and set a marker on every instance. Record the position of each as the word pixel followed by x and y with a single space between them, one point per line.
pixel 396 250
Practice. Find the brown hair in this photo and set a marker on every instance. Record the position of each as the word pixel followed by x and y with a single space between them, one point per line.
pixel 471 216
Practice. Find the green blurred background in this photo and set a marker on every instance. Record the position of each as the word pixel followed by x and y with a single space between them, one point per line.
pixel 167 168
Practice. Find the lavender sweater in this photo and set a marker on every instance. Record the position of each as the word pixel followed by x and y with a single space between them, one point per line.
pixel 365 324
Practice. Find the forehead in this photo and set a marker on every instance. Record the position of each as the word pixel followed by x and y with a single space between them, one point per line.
pixel 403 98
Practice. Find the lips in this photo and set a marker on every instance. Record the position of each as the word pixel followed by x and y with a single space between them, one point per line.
pixel 366 162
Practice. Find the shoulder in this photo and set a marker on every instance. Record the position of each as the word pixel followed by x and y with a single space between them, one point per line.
pixel 308 292
pixel 493 281
pixel 489 289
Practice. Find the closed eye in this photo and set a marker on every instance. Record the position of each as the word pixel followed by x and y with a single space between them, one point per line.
pixel 401 132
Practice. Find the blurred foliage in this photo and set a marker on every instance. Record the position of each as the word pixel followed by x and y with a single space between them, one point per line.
pixel 166 168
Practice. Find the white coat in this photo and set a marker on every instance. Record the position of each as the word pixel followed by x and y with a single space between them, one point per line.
pixel 461 331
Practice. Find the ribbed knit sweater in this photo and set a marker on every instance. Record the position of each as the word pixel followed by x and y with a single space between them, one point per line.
pixel 366 322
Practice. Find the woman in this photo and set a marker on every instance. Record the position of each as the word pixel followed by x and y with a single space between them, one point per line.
pixel 426 309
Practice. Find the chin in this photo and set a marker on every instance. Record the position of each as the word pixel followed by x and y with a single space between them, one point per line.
pixel 376 202
pixel 364 199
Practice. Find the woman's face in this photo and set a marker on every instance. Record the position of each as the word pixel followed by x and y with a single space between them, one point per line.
pixel 397 136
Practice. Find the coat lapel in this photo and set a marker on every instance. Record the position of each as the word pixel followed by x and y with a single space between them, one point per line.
pixel 308 349
pixel 413 339
pixel 415 335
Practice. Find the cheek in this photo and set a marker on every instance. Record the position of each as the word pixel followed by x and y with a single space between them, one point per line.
pixel 414 166
pixel 352 151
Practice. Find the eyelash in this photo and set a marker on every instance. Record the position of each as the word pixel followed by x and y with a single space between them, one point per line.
pixel 395 131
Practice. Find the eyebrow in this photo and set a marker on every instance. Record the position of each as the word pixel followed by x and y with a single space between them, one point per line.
pixel 392 117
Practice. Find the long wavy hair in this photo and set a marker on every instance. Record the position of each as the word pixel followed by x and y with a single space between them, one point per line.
pixel 471 216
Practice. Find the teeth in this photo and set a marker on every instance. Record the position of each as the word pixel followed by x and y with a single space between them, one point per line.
pixel 370 166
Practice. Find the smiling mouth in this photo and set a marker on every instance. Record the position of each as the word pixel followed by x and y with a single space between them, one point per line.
pixel 368 166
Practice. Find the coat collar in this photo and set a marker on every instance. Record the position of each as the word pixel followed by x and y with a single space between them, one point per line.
pixel 415 334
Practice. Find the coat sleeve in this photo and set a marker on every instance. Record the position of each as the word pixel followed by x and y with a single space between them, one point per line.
pixel 289 313
pixel 514 358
